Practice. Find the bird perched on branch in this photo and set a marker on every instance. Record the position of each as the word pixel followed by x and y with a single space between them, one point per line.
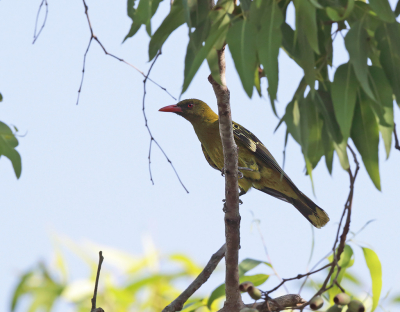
pixel 259 168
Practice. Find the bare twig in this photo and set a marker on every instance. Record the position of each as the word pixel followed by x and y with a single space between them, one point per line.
pixel 396 139
pixel 232 217
pixel 101 258
pixel 36 35
pixel 177 304
pixel 95 38
pixel 146 77
pixel 152 139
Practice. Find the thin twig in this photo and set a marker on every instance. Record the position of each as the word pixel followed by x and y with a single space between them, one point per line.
pixel 177 304
pixel 146 77
pixel 338 246
pixel 152 139
pixel 396 139
pixel 36 35
pixel 101 258
pixel 94 37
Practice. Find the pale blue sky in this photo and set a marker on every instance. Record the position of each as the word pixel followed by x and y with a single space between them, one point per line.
pixel 85 170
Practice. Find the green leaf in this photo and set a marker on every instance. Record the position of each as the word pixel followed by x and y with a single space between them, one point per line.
pixel 365 135
pixel 174 19
pixel 269 40
pixel 307 60
pixel 344 94
pixel 306 22
pixel 324 104
pixel 375 269
pixel 8 142
pixel 219 292
pixel 383 10
pixel 249 264
pixel 357 46
pixel 341 151
pixel 345 262
pixel 340 13
pixel 212 59
pixel 241 39
pixel 311 132
pixel 383 108
pixel 289 44
pixel 388 38
pixel 142 15
pixel 1 97
pixel 328 148
pixel 130 10
pixel 217 36
pixel 397 9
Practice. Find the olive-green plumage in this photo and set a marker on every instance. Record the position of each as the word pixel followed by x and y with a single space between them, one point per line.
pixel 266 175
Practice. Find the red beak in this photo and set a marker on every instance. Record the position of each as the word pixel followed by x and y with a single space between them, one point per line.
pixel 171 108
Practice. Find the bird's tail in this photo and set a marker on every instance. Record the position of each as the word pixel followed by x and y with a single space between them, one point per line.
pixel 316 215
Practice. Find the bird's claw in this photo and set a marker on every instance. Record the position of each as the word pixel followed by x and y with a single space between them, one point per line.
pixel 224 201
pixel 240 174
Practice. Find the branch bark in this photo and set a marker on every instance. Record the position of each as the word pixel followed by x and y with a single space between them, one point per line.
pixel 232 217
pixel 177 304
pixel 278 304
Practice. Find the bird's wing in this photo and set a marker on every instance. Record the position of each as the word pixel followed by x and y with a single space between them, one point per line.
pixel 249 140
pixel 208 158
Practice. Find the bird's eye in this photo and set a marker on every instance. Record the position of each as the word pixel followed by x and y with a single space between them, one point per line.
pixel 190 105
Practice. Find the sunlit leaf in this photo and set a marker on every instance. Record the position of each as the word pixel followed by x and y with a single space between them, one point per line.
pixel 388 38
pixel 357 46
pixel 346 261
pixel 344 93
pixel 212 60
pixel 341 151
pixel 241 39
pixel 249 264
pixel 365 135
pixel 383 10
pixel 269 40
pixel 375 269
pixel 219 292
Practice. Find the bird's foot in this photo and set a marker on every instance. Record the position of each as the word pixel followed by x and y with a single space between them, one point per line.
pixel 240 174
pixel 224 201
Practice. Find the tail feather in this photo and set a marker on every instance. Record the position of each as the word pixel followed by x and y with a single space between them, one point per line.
pixel 314 214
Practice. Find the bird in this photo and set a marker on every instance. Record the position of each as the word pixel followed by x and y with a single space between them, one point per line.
pixel 258 167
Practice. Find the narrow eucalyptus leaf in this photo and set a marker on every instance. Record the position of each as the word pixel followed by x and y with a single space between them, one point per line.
pixel 365 135
pixel 269 40
pixel 383 10
pixel 241 39
pixel 388 38
pixel 344 93
pixel 375 270
pixel 174 19
pixel 306 22
pixel 357 46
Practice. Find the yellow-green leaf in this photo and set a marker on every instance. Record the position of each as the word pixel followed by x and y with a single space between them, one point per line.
pixel 375 270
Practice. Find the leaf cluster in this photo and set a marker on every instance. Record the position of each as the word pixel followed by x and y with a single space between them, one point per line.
pixel 324 112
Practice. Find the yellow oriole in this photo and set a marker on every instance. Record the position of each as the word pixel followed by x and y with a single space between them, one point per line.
pixel 265 175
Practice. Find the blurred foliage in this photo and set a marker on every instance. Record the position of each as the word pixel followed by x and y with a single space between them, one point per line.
pixel 330 106
pixel 150 282
pixel 8 143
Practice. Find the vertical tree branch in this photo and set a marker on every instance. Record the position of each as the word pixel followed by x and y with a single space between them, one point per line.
pixel 232 217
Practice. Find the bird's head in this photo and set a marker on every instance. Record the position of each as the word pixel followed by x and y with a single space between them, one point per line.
pixel 193 110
